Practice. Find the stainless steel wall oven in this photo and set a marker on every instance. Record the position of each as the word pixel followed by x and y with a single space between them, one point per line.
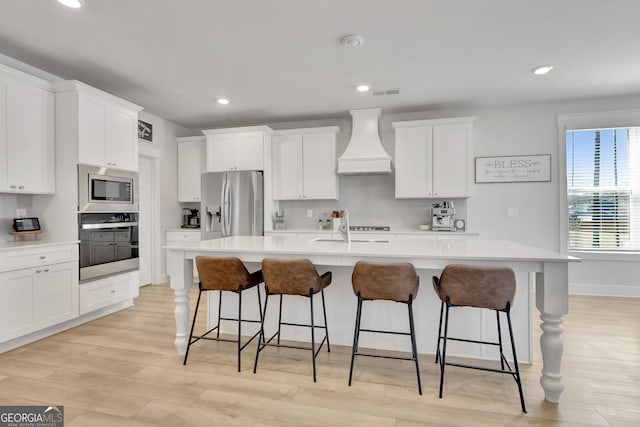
pixel 108 243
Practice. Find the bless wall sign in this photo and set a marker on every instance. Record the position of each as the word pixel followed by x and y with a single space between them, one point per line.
pixel 535 168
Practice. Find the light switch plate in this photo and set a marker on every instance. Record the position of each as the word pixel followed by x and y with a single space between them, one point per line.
pixel 309 213
pixel 512 211
pixel 21 213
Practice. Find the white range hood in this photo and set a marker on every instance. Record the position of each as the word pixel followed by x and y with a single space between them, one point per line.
pixel 364 154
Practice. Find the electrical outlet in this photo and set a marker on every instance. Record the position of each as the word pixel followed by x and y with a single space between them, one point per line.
pixel 512 211
pixel 309 213
pixel 21 213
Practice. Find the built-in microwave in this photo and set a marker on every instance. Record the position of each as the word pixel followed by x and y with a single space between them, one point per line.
pixel 107 190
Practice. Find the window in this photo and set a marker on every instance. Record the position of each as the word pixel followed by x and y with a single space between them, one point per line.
pixel 603 189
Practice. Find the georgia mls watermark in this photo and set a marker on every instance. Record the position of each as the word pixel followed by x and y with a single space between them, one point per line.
pixel 31 416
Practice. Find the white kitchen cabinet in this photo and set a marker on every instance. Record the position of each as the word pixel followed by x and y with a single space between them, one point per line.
pixel 38 288
pixel 432 158
pixel 304 164
pixel 108 291
pixel 236 148
pixel 191 164
pixel 181 236
pixel 105 127
pixel 27 144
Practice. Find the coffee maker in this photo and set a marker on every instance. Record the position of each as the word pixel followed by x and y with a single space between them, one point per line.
pixel 442 216
pixel 190 218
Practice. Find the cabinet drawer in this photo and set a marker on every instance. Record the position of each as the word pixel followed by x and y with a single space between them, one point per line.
pixel 34 256
pixel 180 236
pixel 101 293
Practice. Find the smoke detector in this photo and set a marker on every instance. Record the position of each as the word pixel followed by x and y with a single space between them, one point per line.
pixel 352 40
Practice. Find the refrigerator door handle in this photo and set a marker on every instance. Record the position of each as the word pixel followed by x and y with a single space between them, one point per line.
pixel 252 210
pixel 224 207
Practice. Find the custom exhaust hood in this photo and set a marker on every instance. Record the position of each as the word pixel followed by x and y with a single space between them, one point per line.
pixel 364 154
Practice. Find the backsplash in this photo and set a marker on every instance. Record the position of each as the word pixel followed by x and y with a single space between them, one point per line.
pixel 370 200
pixel 8 205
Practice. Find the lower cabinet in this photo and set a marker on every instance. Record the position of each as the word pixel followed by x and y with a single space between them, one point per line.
pixel 181 236
pixel 35 298
pixel 104 292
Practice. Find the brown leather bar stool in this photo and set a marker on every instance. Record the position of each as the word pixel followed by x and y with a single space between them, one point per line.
pixel 397 282
pixel 225 274
pixel 491 288
pixel 293 277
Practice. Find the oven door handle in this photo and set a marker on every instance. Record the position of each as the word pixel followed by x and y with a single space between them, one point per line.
pixel 108 225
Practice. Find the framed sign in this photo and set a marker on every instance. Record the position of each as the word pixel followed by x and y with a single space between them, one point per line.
pixel 536 168
pixel 145 131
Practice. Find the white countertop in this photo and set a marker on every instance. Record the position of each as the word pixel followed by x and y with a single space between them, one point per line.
pixel 5 246
pixel 392 231
pixel 471 249
pixel 188 230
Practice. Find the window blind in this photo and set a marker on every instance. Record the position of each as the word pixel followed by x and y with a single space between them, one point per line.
pixel 603 189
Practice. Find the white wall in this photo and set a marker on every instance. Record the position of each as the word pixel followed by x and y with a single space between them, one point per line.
pixel 164 151
pixel 8 205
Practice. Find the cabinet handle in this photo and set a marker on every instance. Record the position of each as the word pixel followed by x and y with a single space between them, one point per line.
pixel 14 186
pixel 21 187
pixel 42 256
pixel 46 270
pixel 38 271
pixel 113 291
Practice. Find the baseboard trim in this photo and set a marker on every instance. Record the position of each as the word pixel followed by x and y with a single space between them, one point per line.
pixel 52 330
pixel 604 290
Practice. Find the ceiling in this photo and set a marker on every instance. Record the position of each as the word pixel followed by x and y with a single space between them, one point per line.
pixel 280 60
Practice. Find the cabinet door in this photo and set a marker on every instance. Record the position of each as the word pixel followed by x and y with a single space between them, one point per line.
pixel 221 153
pixel 287 167
pixel 16 303
pixel 249 151
pixel 122 143
pixel 189 170
pixel 92 130
pixel 451 161
pixel 56 294
pixel 4 170
pixel 29 137
pixel 413 162
pixel 319 166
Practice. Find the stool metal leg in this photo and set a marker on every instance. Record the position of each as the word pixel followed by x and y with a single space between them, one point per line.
pixel 444 348
pixel 439 332
pixel 280 318
pixel 414 349
pixel 261 339
pixel 326 327
pixel 500 341
pixel 515 361
pixel 193 325
pixel 219 314
pixel 313 340
pixel 239 325
pixel 356 336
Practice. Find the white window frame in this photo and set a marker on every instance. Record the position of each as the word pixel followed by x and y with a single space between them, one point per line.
pixel 584 121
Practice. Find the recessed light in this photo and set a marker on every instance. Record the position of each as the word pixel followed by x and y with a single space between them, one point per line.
pixel 542 69
pixel 223 101
pixel 352 40
pixel 363 88
pixel 71 3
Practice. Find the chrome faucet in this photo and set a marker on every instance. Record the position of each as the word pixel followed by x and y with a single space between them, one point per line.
pixel 343 228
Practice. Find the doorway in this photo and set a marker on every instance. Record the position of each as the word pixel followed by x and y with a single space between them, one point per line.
pixel 145 221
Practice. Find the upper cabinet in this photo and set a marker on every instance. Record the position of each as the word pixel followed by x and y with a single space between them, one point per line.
pixel 27 144
pixel 191 163
pixel 106 127
pixel 304 164
pixel 236 149
pixel 433 158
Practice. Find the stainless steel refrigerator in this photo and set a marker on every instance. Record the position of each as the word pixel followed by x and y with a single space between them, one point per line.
pixel 232 204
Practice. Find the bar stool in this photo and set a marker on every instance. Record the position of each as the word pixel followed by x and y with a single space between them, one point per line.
pixel 293 277
pixel 491 288
pixel 224 274
pixel 397 282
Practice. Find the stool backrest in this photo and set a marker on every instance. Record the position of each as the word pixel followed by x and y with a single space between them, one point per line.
pixel 473 286
pixel 290 276
pixel 222 273
pixel 385 280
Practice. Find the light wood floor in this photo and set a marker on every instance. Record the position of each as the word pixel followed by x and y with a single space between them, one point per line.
pixel 123 370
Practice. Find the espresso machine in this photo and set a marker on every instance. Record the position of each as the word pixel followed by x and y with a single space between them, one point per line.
pixel 190 218
pixel 442 216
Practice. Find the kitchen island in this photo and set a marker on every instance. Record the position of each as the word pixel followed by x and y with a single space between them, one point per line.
pixel 548 270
